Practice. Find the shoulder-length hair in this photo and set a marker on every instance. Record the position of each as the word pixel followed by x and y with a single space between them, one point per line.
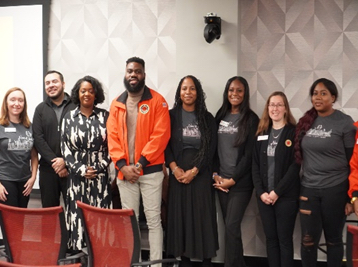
pixel 4 117
pixel 266 121
pixel 97 87
pixel 305 123
pixel 200 112
pixel 244 109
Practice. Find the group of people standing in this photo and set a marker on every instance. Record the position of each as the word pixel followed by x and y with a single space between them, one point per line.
pixel 294 168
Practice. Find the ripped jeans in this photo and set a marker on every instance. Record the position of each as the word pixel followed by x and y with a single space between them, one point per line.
pixel 322 208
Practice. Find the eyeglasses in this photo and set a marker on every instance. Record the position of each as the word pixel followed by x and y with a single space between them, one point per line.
pixel 276 105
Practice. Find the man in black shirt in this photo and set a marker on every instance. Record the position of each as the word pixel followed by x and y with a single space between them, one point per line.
pixel 47 134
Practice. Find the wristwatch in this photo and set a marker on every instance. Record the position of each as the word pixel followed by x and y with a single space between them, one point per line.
pixel 353 199
pixel 138 166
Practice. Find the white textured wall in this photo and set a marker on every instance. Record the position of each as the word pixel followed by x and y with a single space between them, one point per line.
pixel 96 37
pixel 213 64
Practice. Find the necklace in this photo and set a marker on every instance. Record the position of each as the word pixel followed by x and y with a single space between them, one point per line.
pixel 273 133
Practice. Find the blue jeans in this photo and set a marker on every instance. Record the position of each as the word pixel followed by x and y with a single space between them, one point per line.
pixel 279 222
pixel 323 208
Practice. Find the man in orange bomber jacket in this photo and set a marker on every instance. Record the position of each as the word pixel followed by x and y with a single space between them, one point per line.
pixel 138 130
pixel 353 176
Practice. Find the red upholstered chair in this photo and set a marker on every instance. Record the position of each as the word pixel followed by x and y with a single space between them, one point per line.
pixel 33 236
pixel 112 237
pixel 352 246
pixel 9 264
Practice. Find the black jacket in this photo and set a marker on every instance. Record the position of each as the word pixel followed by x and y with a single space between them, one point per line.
pixel 286 180
pixel 47 131
pixel 242 174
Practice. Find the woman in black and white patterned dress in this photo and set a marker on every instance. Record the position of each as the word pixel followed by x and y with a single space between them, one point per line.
pixel 84 146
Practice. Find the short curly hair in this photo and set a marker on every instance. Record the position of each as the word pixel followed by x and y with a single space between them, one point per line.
pixel 97 87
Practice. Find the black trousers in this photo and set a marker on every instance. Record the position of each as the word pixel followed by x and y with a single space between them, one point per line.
pixel 51 187
pixel 323 208
pixel 279 222
pixel 15 197
pixel 233 206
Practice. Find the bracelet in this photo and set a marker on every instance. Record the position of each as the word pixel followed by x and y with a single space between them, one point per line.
pixel 193 172
pixel 353 199
pixel 173 171
pixel 215 174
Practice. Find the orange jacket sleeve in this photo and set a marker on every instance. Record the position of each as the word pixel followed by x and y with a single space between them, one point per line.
pixel 353 176
pixel 115 144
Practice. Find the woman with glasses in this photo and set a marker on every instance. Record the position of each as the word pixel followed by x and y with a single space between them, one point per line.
pixel 324 144
pixel 276 178
pixel 237 125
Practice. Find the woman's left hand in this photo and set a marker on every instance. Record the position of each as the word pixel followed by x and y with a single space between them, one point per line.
pixel 91 173
pixel 28 186
pixel 187 177
pixel 273 196
pixel 225 184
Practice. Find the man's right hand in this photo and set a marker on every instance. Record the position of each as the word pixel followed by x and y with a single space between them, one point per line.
pixel 58 164
pixel 130 173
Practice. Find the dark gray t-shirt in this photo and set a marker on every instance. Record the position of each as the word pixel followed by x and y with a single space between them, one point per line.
pixel 16 142
pixel 228 153
pixel 324 159
pixel 191 133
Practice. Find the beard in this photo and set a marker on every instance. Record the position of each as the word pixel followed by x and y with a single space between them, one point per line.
pixel 57 96
pixel 135 88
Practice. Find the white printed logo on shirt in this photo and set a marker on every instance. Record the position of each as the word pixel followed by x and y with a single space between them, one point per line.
pixel 22 143
pixel 319 132
pixel 228 128
pixel 191 130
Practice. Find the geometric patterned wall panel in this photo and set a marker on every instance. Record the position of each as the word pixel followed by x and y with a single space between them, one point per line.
pixel 96 38
pixel 286 45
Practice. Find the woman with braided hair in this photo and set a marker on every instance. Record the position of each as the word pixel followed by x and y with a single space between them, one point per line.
pixel 192 228
pixel 324 143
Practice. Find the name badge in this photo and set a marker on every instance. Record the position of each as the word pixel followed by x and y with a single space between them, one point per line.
pixel 262 137
pixel 224 123
pixel 10 130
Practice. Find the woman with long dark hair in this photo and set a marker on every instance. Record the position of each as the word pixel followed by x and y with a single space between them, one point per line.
pixel 324 143
pixel 237 125
pixel 191 227
pixel 18 156
pixel 276 178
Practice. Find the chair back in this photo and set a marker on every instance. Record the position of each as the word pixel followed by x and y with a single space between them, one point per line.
pixel 352 246
pixel 112 236
pixel 9 264
pixel 34 236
